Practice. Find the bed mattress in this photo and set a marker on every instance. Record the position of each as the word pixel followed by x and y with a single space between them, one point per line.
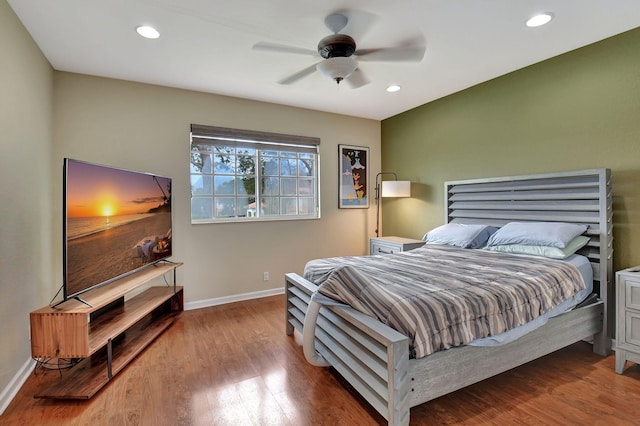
pixel 442 296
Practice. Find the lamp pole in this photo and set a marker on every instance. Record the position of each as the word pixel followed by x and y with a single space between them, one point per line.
pixel 378 195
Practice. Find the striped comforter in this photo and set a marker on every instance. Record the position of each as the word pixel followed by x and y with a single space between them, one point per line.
pixel 441 296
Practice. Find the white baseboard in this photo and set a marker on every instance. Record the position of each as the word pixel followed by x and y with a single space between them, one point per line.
pixel 230 299
pixel 21 376
pixel 15 384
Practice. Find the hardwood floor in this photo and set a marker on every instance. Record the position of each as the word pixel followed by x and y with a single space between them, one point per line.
pixel 234 365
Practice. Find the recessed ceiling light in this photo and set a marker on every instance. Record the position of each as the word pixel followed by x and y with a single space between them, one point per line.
pixel 147 31
pixel 539 20
pixel 393 88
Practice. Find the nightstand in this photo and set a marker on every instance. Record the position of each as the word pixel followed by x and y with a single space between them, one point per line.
pixel 627 317
pixel 389 245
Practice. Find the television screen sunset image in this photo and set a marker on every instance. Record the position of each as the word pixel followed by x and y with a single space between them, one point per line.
pixel 116 222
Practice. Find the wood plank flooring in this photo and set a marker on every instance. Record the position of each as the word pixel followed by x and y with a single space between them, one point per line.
pixel 234 365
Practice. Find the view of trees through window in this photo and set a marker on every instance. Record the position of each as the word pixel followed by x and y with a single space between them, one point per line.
pixel 233 180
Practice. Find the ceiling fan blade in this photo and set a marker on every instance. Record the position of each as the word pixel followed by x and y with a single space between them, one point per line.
pixel 392 54
pixel 282 48
pixel 299 75
pixel 411 50
pixel 357 79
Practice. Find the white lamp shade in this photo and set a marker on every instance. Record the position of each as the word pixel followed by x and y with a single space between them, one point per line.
pixel 338 68
pixel 396 188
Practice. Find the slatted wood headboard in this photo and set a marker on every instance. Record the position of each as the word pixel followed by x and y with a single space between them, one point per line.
pixel 578 197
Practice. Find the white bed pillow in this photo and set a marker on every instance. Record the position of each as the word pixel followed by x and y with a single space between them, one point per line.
pixel 552 234
pixel 545 251
pixel 460 235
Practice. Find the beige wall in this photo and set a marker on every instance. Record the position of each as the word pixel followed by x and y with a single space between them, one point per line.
pixel 143 127
pixel 580 110
pixel 26 281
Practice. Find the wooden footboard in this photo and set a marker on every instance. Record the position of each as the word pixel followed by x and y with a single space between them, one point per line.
pixel 374 358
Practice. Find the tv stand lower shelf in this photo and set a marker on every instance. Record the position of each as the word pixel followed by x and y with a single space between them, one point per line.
pixel 92 374
pixel 107 336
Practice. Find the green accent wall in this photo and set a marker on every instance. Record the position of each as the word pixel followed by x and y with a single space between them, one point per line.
pixel 580 110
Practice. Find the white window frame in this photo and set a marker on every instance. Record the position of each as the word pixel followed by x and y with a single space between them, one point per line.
pixel 222 176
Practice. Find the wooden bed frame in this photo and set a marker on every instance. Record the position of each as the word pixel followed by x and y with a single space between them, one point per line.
pixel 374 358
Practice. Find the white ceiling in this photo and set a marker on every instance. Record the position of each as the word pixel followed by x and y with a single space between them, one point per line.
pixel 206 45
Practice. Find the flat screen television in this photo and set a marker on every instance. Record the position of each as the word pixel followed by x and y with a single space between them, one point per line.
pixel 116 222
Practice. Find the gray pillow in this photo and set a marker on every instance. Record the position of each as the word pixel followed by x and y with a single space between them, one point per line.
pixel 552 234
pixel 460 235
pixel 545 251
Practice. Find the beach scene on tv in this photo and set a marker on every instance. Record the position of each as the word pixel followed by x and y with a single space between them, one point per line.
pixel 116 221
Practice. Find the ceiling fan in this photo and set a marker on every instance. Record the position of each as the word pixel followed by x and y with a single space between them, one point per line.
pixel 339 54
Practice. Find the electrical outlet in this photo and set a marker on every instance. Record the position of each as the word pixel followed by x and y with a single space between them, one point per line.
pixel 265 276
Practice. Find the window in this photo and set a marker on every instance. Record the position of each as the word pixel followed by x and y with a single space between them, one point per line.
pixel 242 175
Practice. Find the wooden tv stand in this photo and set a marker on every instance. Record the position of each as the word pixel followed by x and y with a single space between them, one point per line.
pixel 108 334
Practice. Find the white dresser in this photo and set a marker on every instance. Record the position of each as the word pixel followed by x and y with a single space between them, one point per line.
pixel 627 317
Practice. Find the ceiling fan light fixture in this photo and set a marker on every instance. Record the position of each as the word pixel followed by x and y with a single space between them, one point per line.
pixel 338 68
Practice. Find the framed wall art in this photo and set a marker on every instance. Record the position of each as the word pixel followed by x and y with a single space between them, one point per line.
pixel 354 177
